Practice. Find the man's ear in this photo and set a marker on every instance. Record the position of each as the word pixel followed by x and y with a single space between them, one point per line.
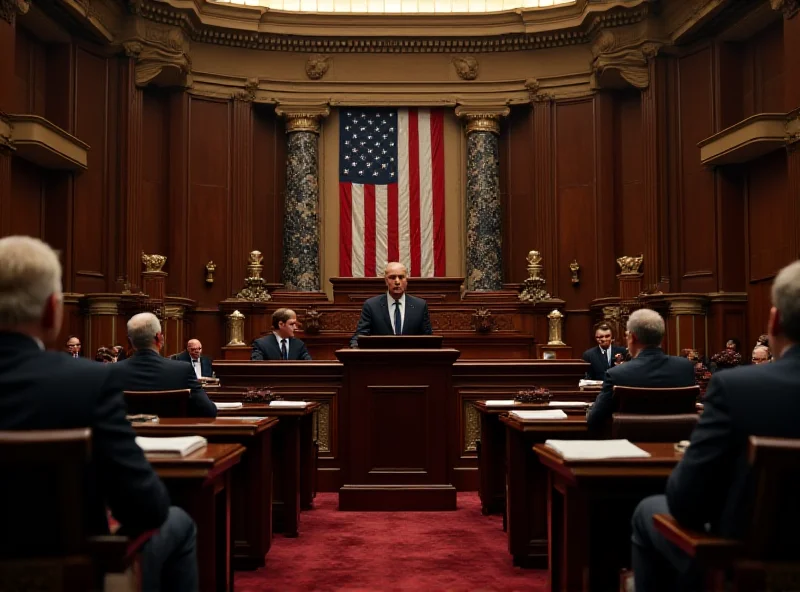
pixel 52 316
pixel 774 322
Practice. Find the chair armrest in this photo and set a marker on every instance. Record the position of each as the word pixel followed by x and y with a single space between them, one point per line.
pixel 705 548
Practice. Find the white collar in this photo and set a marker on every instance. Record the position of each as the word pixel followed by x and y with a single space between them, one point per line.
pixel 401 300
pixel 278 337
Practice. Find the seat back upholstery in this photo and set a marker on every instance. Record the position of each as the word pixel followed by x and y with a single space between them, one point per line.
pixel 162 403
pixel 653 428
pixel 656 401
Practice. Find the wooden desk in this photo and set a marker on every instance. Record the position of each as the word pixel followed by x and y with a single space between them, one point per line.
pixel 590 504
pixel 252 478
pixel 294 461
pixel 491 459
pixel 527 485
pixel 200 484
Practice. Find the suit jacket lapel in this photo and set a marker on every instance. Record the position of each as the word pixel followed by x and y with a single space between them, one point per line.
pixel 386 316
pixel 410 311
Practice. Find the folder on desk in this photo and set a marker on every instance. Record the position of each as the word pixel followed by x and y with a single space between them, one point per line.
pixel 568 404
pixel 232 405
pixel 171 447
pixel 500 403
pixel 596 449
pixel 535 414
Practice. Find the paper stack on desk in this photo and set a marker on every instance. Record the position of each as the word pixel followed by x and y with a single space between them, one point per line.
pixel 568 404
pixel 596 449
pixel 231 405
pixel 288 404
pixel 589 384
pixel 171 447
pixel 532 414
pixel 500 403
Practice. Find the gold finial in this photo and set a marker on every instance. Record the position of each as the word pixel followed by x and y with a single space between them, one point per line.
pixel 554 320
pixel 629 265
pixel 211 267
pixel 153 262
pixel 236 328
pixel 533 290
pixel 254 285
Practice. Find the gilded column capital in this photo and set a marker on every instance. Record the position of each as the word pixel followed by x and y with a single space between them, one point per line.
pixel 789 8
pixel 303 118
pixel 9 9
pixel 482 118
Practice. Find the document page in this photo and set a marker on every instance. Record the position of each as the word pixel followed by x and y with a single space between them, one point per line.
pixel 596 449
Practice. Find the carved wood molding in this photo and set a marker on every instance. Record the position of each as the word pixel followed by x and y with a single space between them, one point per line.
pixel 9 9
pixel 161 53
pixel 789 8
pixel 320 33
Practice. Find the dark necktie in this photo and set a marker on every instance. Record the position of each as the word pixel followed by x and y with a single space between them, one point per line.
pixel 398 321
pixel 605 357
pixel 284 353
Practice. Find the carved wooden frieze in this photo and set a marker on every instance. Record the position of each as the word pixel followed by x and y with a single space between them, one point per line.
pixel 465 321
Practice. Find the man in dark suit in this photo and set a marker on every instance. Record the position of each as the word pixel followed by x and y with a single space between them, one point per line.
pixel 193 355
pixel 73 346
pixel 146 370
pixel 281 345
pixel 42 390
pixel 711 486
pixel 604 355
pixel 650 366
pixel 393 313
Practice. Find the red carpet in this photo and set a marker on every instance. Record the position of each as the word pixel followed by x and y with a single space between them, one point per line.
pixel 460 550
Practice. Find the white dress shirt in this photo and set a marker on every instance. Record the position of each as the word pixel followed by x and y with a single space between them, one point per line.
pixel 402 302
pixel 279 338
pixel 608 354
pixel 198 367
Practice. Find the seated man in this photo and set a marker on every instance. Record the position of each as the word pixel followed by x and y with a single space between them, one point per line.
pixel 604 355
pixel 73 346
pixel 650 366
pixel 408 314
pixel 146 370
pixel 761 355
pixel 710 485
pixel 281 345
pixel 193 354
pixel 41 390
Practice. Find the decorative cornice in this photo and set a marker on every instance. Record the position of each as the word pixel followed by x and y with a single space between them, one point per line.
pixel 248 93
pixel 303 118
pixel 161 53
pixel 9 9
pixel 482 118
pixel 789 8
pixel 625 51
pixel 317 66
pixel 237 26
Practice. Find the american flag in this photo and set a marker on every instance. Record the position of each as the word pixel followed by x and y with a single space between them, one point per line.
pixel 391 191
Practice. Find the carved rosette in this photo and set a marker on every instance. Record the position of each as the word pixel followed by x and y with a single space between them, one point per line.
pixel 312 321
pixel 482 320
pixel 466 67
pixel 317 66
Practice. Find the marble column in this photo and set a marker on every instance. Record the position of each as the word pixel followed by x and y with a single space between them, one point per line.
pixel 301 232
pixel 484 259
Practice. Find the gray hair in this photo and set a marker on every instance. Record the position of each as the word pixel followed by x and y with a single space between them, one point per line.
pixel 29 274
pixel 386 267
pixel 142 329
pixel 647 325
pixel 786 298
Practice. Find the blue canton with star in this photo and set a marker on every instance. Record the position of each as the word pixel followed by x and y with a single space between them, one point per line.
pixel 368 146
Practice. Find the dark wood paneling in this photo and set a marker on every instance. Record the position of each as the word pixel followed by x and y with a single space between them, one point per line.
pixel 178 131
pixel 30 68
pixel 730 72
pixel 518 200
pixel 7 43
pixel 767 222
pixel 697 195
pixel 27 198
pixel 269 174
pixel 60 91
pixel 154 198
pixel 605 213
pixel 629 236
pixel 89 253
pixel 576 212
pixel 208 206
pixel 791 49
pixel 759 302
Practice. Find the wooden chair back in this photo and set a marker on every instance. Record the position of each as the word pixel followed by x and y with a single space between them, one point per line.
pixel 775 519
pixel 43 539
pixel 173 403
pixel 656 401
pixel 653 428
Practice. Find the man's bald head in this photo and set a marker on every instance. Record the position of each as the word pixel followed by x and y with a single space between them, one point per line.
pixel 195 348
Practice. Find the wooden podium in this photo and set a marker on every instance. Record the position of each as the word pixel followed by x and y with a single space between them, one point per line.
pixel 395 409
